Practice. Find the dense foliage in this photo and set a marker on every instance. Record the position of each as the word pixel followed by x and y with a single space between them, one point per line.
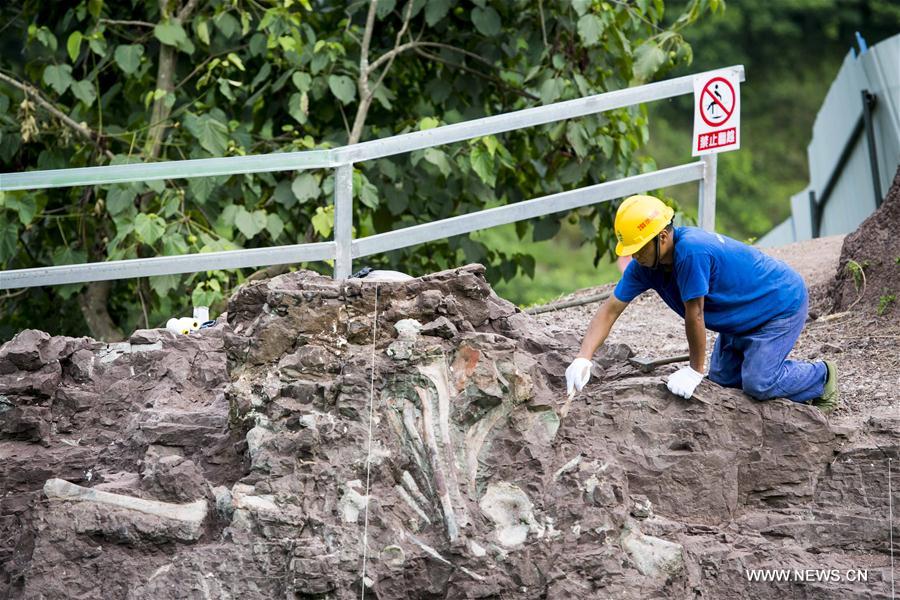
pixel 107 82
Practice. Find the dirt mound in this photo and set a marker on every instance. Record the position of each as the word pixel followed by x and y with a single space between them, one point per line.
pixel 413 432
pixel 874 248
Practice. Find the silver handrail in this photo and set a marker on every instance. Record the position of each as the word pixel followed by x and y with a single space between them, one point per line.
pixel 343 249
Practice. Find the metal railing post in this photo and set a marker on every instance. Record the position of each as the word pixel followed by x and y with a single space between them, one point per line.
pixel 706 210
pixel 343 220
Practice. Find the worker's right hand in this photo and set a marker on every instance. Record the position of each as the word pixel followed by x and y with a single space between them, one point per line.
pixel 577 375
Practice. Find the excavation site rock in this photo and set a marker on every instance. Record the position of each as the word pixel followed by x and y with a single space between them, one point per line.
pixel 874 249
pixel 332 439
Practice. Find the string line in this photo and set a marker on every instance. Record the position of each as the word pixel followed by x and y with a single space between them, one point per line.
pixel 369 452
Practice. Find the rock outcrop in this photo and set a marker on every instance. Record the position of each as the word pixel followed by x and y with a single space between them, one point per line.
pixel 405 440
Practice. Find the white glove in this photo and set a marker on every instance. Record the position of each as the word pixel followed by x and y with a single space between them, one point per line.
pixel 684 381
pixel 577 375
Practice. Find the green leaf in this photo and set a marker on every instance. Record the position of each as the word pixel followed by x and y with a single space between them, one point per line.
pixel 473 251
pixel 274 225
pixel 302 81
pixel 97 44
pixel 284 195
pixel 95 7
pixel 128 57
pixel 590 28
pixel 581 6
pixel 305 187
pixel 483 164
pixel 227 24
pixel 149 228
pixel 323 220
pixel 9 239
pixel 298 107
pixel 436 10
pixel 578 137
pixel 157 185
pixel 649 58
pixel 66 256
pixel 342 87
pixel 212 134
pixel 174 244
pixel 84 91
pixel 439 159
pixel 170 33
pixel 250 223
pixel 551 90
pixel 202 187
pixel 73 45
pixel 67 291
pixel 384 8
pixel 545 228
pixel 236 61
pixel 59 77
pixel 164 283
pixel 24 204
pixel 486 21
pixel 384 96
pixel 202 29
pixel 257 44
pixel 119 198
pixel 428 123
pixel 365 191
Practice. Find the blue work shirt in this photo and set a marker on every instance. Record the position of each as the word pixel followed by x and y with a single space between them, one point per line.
pixel 743 287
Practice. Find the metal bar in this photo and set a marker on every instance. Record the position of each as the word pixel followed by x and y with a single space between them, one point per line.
pixel 315 159
pixel 825 193
pixel 166 265
pixel 869 101
pixel 173 169
pixel 343 220
pixel 528 209
pixel 528 117
pixel 706 209
pixel 815 215
pixel 537 310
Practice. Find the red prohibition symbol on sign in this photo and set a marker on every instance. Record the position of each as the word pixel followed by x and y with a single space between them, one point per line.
pixel 712 100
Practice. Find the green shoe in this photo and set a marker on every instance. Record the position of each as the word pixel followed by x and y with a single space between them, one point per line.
pixel 829 400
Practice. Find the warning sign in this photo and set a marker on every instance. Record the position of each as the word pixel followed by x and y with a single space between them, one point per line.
pixel 717 113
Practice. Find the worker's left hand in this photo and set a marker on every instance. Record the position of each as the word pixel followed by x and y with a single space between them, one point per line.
pixel 684 381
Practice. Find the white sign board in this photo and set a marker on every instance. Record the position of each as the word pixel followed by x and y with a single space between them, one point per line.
pixel 717 113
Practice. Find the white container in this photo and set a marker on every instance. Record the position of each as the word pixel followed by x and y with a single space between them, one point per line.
pixel 201 313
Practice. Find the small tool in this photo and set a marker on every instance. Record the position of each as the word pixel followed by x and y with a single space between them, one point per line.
pixel 646 365
pixel 564 409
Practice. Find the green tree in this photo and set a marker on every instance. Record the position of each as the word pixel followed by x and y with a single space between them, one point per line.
pixel 107 82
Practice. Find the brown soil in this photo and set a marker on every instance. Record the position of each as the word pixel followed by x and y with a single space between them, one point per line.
pixel 875 247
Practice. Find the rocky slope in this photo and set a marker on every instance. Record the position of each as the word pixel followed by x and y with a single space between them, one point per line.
pixel 413 432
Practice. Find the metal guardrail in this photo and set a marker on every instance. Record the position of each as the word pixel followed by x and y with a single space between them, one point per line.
pixel 344 249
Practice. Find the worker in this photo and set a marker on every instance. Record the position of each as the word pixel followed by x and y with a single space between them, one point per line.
pixel 756 303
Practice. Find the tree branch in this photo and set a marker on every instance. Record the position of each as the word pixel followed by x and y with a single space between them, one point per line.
pixel 492 78
pixel 363 83
pixel 33 93
pixel 481 59
pixel 400 34
pixel 164 81
pixel 127 23
pixel 365 94
pixel 188 9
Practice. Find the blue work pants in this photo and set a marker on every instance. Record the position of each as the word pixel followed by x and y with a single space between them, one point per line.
pixel 756 362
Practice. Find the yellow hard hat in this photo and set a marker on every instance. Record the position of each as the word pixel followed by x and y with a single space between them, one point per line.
pixel 638 220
